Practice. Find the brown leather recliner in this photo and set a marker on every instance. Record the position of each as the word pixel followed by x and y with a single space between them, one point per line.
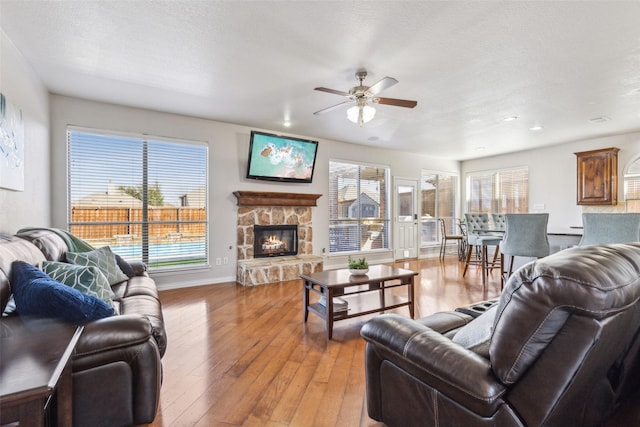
pixel 562 350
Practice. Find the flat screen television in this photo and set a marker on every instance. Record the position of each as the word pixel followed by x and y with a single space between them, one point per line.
pixel 281 158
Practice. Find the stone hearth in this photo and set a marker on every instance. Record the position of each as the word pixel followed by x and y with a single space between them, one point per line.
pixel 267 208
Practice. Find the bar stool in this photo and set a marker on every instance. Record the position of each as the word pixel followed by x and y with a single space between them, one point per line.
pixel 526 236
pixel 610 228
pixel 478 237
pixel 498 222
pixel 458 238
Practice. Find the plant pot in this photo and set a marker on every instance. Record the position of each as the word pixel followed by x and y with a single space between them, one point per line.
pixel 358 271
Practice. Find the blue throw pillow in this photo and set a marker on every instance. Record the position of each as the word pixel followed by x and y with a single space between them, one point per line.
pixel 37 294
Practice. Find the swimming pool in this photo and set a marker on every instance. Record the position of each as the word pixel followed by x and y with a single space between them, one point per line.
pixel 163 252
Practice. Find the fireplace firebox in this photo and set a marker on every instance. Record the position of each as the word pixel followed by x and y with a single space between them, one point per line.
pixel 275 240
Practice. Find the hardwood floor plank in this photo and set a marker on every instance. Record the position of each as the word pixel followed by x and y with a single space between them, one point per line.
pixel 336 386
pixel 311 405
pixel 243 356
pixel 269 382
pixel 290 399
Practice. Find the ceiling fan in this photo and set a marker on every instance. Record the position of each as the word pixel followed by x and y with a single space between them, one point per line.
pixel 362 96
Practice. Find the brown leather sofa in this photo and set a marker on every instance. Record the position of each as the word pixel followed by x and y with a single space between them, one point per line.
pixel 117 370
pixel 560 348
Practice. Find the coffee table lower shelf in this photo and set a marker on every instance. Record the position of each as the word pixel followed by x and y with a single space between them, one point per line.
pixel 365 294
pixel 361 305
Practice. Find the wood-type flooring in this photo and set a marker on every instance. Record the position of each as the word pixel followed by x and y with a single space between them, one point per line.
pixel 242 356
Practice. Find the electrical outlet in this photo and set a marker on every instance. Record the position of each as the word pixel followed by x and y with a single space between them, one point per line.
pixel 538 206
pixel 218 261
pixel 225 260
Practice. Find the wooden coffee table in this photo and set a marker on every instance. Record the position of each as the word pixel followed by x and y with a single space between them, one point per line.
pixel 340 283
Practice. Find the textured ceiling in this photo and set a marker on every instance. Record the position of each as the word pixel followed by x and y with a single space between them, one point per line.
pixel 469 64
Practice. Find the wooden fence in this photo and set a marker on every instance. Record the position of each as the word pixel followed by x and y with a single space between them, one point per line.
pixel 123 224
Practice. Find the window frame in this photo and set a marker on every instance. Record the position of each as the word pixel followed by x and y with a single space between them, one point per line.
pixel 630 176
pixel 361 221
pixel 496 199
pixel 450 221
pixel 146 222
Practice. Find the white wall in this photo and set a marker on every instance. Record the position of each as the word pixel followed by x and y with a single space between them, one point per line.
pixel 552 176
pixel 21 87
pixel 228 149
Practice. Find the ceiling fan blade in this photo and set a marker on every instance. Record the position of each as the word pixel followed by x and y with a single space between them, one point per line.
pixel 381 85
pixel 333 107
pixel 397 102
pixel 336 92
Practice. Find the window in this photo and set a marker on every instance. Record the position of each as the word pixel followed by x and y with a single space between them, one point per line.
pixel 503 191
pixel 146 197
pixel 358 207
pixel 438 195
pixel 632 186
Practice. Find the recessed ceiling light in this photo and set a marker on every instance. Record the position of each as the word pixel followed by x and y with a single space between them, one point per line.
pixel 600 119
pixel 481 148
pixel 510 118
pixel 536 127
pixel 373 138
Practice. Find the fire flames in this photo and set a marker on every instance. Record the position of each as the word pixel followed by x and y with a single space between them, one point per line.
pixel 272 242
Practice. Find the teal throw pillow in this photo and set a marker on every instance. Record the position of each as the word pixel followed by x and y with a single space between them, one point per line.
pixel 102 258
pixel 37 294
pixel 88 280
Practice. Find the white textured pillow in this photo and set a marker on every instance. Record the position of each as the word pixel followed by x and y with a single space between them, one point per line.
pixel 102 258
pixel 476 335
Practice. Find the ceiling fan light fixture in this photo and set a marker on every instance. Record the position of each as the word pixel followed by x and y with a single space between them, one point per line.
pixel 361 113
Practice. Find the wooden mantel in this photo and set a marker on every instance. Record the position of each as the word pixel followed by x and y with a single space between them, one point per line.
pixel 265 198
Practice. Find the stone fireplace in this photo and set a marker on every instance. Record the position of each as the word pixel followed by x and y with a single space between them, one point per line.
pixel 269 209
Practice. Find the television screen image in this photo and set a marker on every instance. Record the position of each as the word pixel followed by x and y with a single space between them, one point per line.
pixel 281 158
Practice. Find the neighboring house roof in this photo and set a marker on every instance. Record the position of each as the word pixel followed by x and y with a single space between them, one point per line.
pixel 349 193
pixel 365 199
pixel 194 199
pixel 113 197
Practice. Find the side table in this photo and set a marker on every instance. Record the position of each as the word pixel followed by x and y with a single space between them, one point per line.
pixel 35 364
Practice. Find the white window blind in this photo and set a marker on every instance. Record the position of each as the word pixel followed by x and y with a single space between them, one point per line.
pixel 143 196
pixel 439 192
pixel 632 187
pixel 501 191
pixel 358 207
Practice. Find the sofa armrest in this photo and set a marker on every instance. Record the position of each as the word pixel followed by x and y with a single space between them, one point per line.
pixel 113 333
pixel 133 268
pixel 139 268
pixel 446 322
pixel 117 364
pixel 433 359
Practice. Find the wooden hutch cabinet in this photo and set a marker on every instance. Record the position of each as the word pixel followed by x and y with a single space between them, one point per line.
pixel 598 177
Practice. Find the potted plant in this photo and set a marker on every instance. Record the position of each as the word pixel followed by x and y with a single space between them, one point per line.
pixel 358 266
